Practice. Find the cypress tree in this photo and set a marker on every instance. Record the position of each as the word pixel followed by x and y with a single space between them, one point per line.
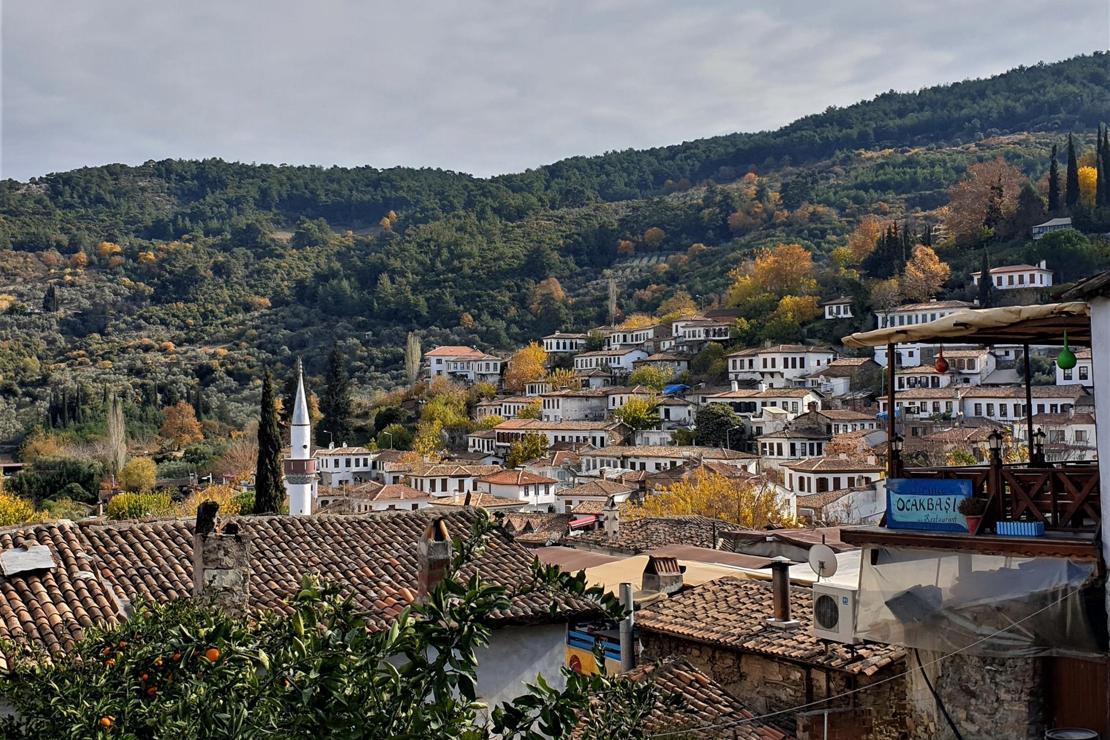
pixel 1053 184
pixel 268 484
pixel 986 284
pixel 1104 158
pixel 1100 168
pixel 1071 183
pixel 50 300
pixel 335 403
pixel 993 216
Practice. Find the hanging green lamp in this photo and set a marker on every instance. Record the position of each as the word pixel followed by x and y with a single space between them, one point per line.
pixel 1066 359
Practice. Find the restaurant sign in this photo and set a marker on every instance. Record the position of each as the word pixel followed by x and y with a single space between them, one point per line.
pixel 920 503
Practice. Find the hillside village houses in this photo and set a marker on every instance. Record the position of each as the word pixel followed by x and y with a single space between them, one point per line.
pixel 1017 277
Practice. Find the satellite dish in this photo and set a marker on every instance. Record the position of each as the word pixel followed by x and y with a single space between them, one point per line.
pixel 823 561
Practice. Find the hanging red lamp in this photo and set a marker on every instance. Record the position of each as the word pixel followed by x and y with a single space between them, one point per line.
pixel 941 364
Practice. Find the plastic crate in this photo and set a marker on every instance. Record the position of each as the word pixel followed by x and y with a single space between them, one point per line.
pixel 1019 529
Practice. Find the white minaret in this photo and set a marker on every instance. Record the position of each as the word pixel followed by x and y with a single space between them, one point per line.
pixel 300 466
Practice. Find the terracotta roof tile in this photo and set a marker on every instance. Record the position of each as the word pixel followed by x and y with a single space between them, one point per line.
pixel 649 533
pixel 733 613
pixel 371 557
pixel 704 702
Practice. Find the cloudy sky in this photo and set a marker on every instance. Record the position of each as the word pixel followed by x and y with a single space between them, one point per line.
pixel 482 86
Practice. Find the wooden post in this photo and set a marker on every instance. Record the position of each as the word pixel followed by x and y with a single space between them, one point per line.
pixel 1028 403
pixel 891 429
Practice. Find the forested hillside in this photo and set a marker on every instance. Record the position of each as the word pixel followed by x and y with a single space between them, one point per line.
pixel 179 278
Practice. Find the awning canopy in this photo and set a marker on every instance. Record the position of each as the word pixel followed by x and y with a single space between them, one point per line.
pixel 1006 325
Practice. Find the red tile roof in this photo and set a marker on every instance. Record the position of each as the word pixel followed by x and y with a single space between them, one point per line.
pixel 515 478
pixel 732 613
pixel 651 533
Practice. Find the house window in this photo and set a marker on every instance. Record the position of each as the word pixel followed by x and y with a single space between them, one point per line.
pixel 1084 372
pixel 978 409
pixel 1067 374
pixel 1080 435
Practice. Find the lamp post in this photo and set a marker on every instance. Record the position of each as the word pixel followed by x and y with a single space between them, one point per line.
pixel 390 435
pixel 728 443
pixel 994 441
pixel 1038 448
pixel 896 448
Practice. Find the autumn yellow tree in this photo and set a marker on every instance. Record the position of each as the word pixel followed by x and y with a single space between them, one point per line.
pixel 80 260
pixel 864 237
pixel 528 364
pixel 562 378
pixel 886 294
pixel 180 425
pixel 546 295
pixel 638 321
pixel 429 438
pixel 138 474
pixel 531 411
pixel 925 274
pixel 787 269
pixel 989 186
pixel 654 236
pixel 228 497
pixel 751 504
pixel 678 306
pixel 1088 183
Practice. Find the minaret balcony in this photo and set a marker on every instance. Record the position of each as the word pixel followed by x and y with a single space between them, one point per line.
pixel 300 467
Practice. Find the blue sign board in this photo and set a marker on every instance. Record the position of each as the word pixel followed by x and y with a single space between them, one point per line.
pixel 921 503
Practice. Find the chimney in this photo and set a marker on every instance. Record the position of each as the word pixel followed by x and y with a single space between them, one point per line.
pixel 812 405
pixel 1043 265
pixel 780 587
pixel 433 556
pixel 625 630
pixel 663 575
pixel 221 561
pixel 612 518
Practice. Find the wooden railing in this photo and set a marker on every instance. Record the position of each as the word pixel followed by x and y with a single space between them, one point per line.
pixel 1064 497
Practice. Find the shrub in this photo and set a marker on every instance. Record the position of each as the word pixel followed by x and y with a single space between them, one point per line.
pixel 138 474
pixel 140 505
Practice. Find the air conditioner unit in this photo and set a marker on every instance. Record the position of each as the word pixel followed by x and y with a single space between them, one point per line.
pixel 834 613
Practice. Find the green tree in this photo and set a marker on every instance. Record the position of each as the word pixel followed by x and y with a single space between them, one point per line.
pixel 639 413
pixel 50 303
pixel 1053 184
pixel 139 474
pixel 394 437
pixel 650 376
pixel 336 403
pixel 717 425
pixel 986 282
pixel 528 447
pixel 269 489
pixel 1071 183
pixel 46 476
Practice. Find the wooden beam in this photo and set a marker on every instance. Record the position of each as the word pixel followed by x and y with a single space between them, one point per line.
pixel 1028 402
pixel 891 429
pixel 1079 546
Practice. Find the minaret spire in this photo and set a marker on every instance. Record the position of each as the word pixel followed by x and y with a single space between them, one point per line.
pixel 300 466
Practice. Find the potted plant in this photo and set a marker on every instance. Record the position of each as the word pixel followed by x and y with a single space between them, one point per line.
pixel 973 510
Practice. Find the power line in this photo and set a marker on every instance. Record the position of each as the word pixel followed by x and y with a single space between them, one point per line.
pixel 826 700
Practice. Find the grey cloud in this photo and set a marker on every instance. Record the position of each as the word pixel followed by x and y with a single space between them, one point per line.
pixel 475 85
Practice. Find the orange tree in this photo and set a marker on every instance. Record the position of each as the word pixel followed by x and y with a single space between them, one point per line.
pixel 186 670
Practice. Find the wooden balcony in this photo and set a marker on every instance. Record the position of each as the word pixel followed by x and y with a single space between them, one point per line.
pixel 1065 497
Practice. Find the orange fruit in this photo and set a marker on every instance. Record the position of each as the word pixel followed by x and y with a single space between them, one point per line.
pixel 107 721
pixel 152 691
pixel 110 662
pixel 212 654
pixel 176 657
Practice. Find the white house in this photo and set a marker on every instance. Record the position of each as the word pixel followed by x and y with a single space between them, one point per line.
pixel 1068 436
pixel 597 491
pixel 922 376
pixel 342 466
pixel 1053 224
pixel 793 401
pixel 831 473
pixel 533 489
pixel 918 313
pixel 463 363
pixel 1082 374
pixel 923 403
pixel 675 412
pixel 574 405
pixel 372 496
pixel 842 376
pixel 665 361
pixel 595 433
pixel 618 338
pixel 616 360
pixel 913 354
pixel 1016 277
pixel 793 444
pixel 483 440
pixel 653 459
pixel 1006 403
pixel 560 343
pixel 537 388
pixel 446 479
pixel 838 308
pixel 619 395
pixel 692 332
pixel 777 366
pixel 863 504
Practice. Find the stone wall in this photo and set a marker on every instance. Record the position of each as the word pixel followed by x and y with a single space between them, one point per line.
pixel 767 685
pixel 986 697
